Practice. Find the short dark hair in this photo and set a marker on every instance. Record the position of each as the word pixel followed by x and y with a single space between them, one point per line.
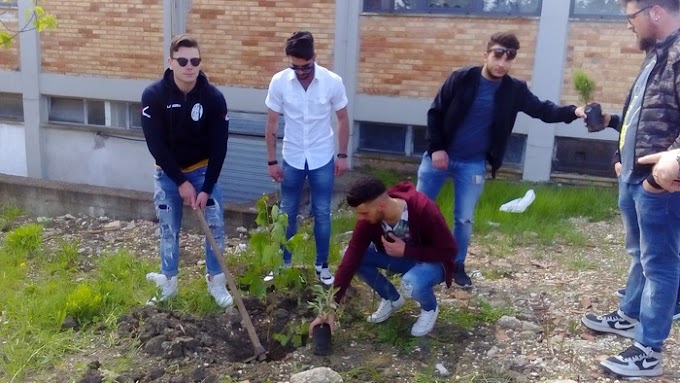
pixel 504 39
pixel 669 5
pixel 300 45
pixel 365 189
pixel 183 40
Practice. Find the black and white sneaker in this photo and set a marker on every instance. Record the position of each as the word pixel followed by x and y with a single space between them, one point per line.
pixel 460 277
pixel 616 323
pixel 636 361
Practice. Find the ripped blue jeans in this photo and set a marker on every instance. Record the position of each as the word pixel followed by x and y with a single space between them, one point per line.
pixel 417 281
pixel 169 204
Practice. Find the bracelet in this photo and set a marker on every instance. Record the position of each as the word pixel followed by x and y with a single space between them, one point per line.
pixel 342 155
pixel 270 163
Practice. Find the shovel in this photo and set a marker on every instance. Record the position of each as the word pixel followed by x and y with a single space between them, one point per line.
pixel 260 352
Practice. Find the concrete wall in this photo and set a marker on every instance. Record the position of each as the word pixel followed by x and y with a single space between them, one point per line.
pixel 86 157
pixel 12 150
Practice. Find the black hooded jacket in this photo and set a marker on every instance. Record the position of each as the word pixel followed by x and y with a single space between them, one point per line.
pixel 182 130
pixel 453 102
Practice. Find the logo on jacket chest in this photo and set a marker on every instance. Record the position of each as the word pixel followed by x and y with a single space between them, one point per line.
pixel 196 112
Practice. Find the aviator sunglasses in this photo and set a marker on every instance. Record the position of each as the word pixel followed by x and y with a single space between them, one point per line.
pixel 183 61
pixel 499 52
pixel 303 68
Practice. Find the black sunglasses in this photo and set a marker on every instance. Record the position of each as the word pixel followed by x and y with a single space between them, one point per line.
pixel 183 61
pixel 303 68
pixel 499 52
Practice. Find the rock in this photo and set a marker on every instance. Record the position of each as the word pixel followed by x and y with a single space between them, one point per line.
pixel 492 352
pixel 155 345
pixel 69 323
pixel 441 370
pixel 68 217
pixel 509 322
pixel 94 365
pixel 114 225
pixel 317 375
pixel 558 381
pixel 156 373
pixel 199 374
pixel 533 327
pixel 43 219
pixel 131 225
pixel 241 229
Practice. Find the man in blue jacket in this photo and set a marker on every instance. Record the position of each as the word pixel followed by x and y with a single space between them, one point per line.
pixel 469 123
pixel 186 127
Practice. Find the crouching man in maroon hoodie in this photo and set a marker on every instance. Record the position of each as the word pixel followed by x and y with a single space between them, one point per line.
pixel 400 230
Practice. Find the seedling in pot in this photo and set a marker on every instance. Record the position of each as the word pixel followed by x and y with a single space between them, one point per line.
pixel 585 87
pixel 323 306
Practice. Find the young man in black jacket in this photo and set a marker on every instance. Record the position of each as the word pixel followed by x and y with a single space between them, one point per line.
pixel 186 127
pixel 469 123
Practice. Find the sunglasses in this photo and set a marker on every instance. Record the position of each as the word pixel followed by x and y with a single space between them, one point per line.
pixel 499 52
pixel 183 61
pixel 303 68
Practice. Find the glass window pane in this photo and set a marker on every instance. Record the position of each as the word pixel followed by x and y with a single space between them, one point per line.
pixel 420 143
pixel 119 114
pixel 11 106
pixel 135 112
pixel 66 110
pixel 96 112
pixel 514 152
pixel 382 137
pixel 597 8
pixel 507 7
pixel 584 156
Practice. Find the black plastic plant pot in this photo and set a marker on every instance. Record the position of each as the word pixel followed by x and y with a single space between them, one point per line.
pixel 594 120
pixel 321 339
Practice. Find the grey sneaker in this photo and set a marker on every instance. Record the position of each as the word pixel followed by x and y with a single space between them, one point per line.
pixel 616 323
pixel 636 361
pixel 324 275
pixel 167 287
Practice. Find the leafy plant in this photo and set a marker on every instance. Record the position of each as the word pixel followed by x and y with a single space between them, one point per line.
pixel 323 303
pixel 84 304
pixel 294 333
pixel 265 246
pixel 26 239
pixel 584 85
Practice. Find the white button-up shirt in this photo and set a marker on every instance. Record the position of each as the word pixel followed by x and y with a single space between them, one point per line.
pixel 307 135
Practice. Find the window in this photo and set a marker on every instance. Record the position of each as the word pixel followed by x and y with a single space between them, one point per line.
pixel 8 4
pixel 115 114
pixel 514 151
pixel 480 7
pixel 385 138
pixel 11 106
pixel 251 124
pixel 584 156
pixel 596 8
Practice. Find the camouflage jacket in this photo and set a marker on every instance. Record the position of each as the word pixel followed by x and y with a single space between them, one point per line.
pixel 659 124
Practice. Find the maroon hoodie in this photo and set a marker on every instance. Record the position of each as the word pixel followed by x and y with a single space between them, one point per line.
pixel 430 238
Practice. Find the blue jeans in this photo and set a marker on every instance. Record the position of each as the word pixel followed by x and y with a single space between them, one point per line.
pixel 321 187
pixel 468 183
pixel 169 204
pixel 417 281
pixel 652 224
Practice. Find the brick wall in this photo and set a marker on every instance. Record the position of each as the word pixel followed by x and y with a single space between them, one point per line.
pixel 608 52
pixel 121 38
pixel 242 42
pixel 410 56
pixel 9 58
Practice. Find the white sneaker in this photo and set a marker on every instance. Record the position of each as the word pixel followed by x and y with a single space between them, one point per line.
pixel 270 275
pixel 324 275
pixel 425 322
pixel 217 288
pixel 168 287
pixel 386 309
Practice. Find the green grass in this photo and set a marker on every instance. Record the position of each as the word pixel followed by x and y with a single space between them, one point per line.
pixel 545 220
pixel 46 287
pixel 472 316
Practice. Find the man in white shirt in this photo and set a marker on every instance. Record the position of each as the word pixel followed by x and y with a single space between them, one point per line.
pixel 306 94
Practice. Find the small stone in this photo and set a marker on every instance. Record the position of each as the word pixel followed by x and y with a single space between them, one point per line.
pixel 509 322
pixel 114 225
pixel 241 230
pixel 492 352
pixel 441 370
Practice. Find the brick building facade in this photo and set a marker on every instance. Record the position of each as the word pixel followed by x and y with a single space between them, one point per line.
pixel 392 61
